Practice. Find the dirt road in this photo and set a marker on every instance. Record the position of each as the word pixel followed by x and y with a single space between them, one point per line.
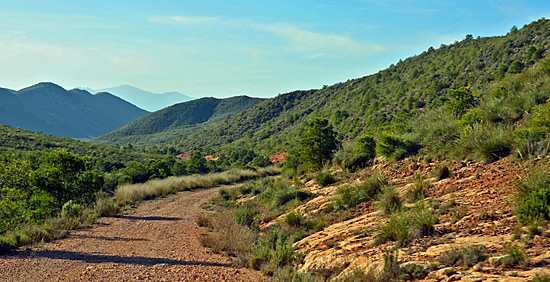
pixel 159 242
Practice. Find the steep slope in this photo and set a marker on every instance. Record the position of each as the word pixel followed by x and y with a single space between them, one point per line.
pixel 76 113
pixel 144 99
pixel 177 120
pixel 391 96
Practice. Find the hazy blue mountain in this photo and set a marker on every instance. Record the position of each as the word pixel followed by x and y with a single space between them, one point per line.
pixel 144 99
pixel 49 108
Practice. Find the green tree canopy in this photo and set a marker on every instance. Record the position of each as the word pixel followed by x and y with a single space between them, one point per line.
pixel 319 143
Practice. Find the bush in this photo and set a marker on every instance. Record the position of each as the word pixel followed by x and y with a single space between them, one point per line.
pixel 396 228
pixel 395 147
pixel 488 144
pixel 106 207
pixel 514 257
pixel 534 207
pixel 294 219
pixel 465 257
pixel 473 116
pixel 401 226
pixel 541 277
pixel 245 216
pixel 71 210
pixel 325 178
pixel 418 189
pixel 539 179
pixel 389 201
pixel 347 197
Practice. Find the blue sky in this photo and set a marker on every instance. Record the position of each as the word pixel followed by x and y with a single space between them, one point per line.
pixel 226 48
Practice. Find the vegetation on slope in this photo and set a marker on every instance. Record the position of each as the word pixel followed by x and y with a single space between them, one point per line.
pixel 392 96
pixel 176 121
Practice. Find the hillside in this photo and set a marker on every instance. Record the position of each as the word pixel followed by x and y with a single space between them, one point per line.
pixel 49 108
pixel 177 120
pixel 144 99
pixel 392 96
pixel 16 141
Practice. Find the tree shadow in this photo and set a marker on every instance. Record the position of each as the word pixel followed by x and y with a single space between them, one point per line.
pixel 136 260
pixel 154 218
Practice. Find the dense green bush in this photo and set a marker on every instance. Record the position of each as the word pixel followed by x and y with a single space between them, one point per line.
pixel 245 216
pixel 72 210
pixel 318 144
pixel 395 147
pixel 536 205
pixel 325 178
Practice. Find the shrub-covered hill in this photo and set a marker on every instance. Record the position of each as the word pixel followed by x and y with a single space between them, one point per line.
pixel 19 141
pixel 177 120
pixel 394 95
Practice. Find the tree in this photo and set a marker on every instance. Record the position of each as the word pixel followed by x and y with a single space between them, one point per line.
pixel 461 101
pixel 319 143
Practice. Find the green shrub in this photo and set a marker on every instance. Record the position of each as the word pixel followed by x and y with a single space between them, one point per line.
pixel 488 144
pixel 401 226
pixel 395 147
pixel 346 198
pixel 294 219
pixel 542 277
pixel 245 216
pixel 325 178
pixel 396 228
pixel 514 256
pixel 389 201
pixel 532 141
pixel 471 117
pixel 418 189
pixel 539 179
pixel 461 100
pixel 535 206
pixel 465 257
pixel 106 207
pixel 71 210
pixel 422 220
pixel 413 271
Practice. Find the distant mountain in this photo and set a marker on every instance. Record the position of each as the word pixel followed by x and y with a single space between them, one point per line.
pixel 145 99
pixel 178 120
pixel 49 108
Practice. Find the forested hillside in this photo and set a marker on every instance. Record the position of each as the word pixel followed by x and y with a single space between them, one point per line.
pixel 392 96
pixel 49 108
pixel 177 120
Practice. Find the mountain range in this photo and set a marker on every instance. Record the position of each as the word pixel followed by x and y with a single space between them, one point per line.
pixel 144 99
pixel 76 113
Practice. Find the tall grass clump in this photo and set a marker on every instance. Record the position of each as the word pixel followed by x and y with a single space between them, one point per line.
pixel 389 201
pixel 163 187
pixel 487 143
pixel 437 133
pixel 418 189
pixel 347 197
pixel 403 225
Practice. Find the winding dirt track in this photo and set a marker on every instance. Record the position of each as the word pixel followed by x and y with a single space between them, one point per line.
pixel 159 242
